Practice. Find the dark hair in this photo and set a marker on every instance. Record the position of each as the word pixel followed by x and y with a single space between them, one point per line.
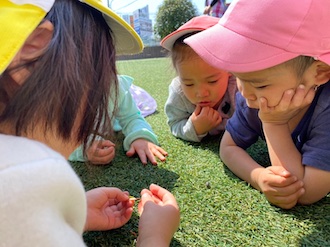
pixel 300 64
pixel 75 75
pixel 181 51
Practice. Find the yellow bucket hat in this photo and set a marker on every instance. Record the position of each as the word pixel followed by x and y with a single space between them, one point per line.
pixel 18 19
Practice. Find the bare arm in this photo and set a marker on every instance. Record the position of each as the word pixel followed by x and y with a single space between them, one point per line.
pixel 278 185
pixel 282 149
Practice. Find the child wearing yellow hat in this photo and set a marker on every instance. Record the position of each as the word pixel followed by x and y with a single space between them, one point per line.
pixel 57 69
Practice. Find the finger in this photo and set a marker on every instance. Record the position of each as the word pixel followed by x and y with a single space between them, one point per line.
pixel 288 201
pixel 130 152
pixel 280 182
pixel 103 157
pixel 107 143
pixel 164 195
pixel 197 110
pixel 158 152
pixel 286 100
pixel 310 96
pixel 280 171
pixel 143 156
pixel 162 151
pixel 289 189
pixel 113 193
pixel 145 197
pixel 263 104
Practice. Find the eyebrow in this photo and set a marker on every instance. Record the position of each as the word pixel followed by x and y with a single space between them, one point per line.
pixel 252 80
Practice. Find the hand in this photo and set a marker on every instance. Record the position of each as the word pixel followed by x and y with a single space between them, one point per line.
pixel 160 217
pixel 204 119
pixel 207 10
pixel 101 152
pixel 288 107
pixel 107 208
pixel 280 187
pixel 146 150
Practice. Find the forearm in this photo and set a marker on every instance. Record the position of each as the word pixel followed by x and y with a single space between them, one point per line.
pixel 282 150
pixel 239 161
pixel 152 241
pixel 185 130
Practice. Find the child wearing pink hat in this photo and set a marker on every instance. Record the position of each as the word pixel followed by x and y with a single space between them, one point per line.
pixel 202 97
pixel 281 58
pixel 57 72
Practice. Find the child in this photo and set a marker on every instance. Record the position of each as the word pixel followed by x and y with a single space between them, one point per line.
pixel 201 98
pixel 215 8
pixel 57 67
pixel 281 59
pixel 139 137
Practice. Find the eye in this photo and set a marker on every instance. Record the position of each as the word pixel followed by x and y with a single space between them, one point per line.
pixel 261 87
pixel 213 81
pixel 258 85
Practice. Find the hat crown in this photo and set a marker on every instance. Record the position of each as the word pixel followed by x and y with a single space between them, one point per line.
pixel 300 28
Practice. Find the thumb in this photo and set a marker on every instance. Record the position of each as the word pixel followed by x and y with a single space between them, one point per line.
pixel 198 110
pixel 280 171
pixel 145 197
pixel 130 152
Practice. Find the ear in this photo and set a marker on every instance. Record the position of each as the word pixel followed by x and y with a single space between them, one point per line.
pixel 33 47
pixel 322 73
pixel 38 40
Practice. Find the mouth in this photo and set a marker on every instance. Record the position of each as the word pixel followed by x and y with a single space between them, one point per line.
pixel 204 103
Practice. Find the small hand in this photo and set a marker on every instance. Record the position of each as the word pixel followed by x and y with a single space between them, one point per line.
pixel 290 105
pixel 205 119
pixel 107 208
pixel 280 187
pixel 101 152
pixel 160 216
pixel 207 10
pixel 146 150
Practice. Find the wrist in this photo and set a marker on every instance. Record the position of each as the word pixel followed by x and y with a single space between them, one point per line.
pixel 146 241
pixel 255 178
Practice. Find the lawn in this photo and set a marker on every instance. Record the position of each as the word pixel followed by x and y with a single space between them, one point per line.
pixel 217 208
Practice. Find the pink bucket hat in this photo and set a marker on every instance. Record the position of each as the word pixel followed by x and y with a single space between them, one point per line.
pixel 195 24
pixel 255 35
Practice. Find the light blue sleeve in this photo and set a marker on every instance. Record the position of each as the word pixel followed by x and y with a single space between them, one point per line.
pixel 178 110
pixel 133 124
pixel 128 119
pixel 78 154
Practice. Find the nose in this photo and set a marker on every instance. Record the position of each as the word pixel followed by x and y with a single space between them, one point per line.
pixel 202 92
pixel 246 90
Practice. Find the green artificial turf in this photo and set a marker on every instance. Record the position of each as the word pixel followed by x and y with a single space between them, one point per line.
pixel 217 208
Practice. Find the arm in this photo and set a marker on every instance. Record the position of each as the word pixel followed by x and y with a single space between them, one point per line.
pixel 178 111
pixel 133 124
pixel 139 136
pixel 160 212
pixel 54 204
pixel 279 186
pixel 280 144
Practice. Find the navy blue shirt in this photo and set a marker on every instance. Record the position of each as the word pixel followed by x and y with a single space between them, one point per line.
pixel 311 136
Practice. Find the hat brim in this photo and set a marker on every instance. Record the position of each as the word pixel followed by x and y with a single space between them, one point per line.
pixel 17 23
pixel 228 50
pixel 127 41
pixel 170 39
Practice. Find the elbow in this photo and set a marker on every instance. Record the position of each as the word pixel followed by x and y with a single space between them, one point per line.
pixel 304 200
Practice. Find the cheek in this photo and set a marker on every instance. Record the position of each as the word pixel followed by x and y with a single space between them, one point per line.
pixel 189 93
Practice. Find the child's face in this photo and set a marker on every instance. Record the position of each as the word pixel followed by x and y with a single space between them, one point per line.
pixel 270 83
pixel 201 83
